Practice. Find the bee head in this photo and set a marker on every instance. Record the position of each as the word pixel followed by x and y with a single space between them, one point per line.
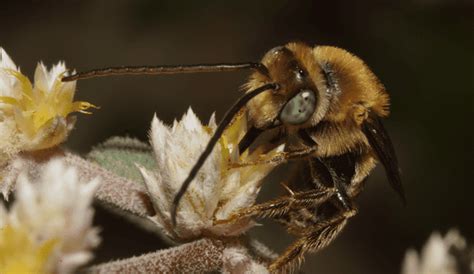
pixel 320 83
pixel 298 101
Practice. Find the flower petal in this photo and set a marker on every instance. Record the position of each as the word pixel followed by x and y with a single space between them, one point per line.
pixel 6 61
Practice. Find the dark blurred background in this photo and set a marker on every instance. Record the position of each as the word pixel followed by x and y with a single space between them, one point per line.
pixel 422 50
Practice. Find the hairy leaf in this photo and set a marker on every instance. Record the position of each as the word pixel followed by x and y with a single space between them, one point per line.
pixel 120 154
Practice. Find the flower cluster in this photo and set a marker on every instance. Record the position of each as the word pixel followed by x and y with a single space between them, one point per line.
pixel 35 116
pixel 440 255
pixel 48 228
pixel 217 191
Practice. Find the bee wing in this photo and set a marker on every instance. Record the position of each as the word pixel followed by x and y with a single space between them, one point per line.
pixel 382 145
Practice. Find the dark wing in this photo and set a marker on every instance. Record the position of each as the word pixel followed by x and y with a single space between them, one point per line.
pixel 382 145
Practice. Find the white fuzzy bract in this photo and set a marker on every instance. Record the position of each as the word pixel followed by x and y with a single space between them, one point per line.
pixel 52 217
pixel 216 192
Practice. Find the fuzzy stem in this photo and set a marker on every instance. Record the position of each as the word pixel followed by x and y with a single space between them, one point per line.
pixel 200 256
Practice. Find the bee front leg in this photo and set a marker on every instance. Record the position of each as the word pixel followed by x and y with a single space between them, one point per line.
pixel 314 239
pixel 282 206
pixel 278 158
pixel 249 137
pixel 341 191
pixel 339 180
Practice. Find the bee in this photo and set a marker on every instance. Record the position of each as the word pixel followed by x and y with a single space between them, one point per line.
pixel 327 107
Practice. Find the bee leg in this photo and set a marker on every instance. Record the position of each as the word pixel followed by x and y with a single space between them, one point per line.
pixel 313 240
pixel 279 158
pixel 253 133
pixel 319 175
pixel 341 192
pixel 306 138
pixel 281 206
pixel 249 137
pixel 339 181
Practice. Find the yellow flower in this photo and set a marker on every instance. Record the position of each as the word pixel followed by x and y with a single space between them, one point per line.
pixel 48 229
pixel 35 116
pixel 20 254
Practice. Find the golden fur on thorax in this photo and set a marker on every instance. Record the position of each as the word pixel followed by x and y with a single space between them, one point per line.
pixel 359 86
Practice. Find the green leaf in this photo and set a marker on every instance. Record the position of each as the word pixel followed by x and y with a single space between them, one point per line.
pixel 120 154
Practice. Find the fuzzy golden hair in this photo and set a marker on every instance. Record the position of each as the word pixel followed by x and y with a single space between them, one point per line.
pixel 358 89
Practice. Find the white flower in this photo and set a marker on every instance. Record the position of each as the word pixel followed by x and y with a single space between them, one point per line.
pixel 35 116
pixel 216 192
pixel 48 228
pixel 436 256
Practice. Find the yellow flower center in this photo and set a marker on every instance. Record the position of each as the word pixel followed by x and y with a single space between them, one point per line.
pixel 35 108
pixel 18 254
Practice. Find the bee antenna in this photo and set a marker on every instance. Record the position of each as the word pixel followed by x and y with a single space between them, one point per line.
pixel 228 117
pixel 176 69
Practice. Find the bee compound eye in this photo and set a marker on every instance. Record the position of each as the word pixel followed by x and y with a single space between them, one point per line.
pixel 299 108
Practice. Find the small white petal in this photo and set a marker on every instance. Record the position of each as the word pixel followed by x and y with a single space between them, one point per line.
pixel 158 135
pixel 435 253
pixel 212 121
pixel 156 192
pixel 8 83
pixel 6 61
pixel 454 238
pixel 190 121
pixel 45 79
pixel 411 263
pixel 41 77
pixel 245 197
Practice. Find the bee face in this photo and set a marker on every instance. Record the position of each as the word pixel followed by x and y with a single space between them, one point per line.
pixel 300 101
